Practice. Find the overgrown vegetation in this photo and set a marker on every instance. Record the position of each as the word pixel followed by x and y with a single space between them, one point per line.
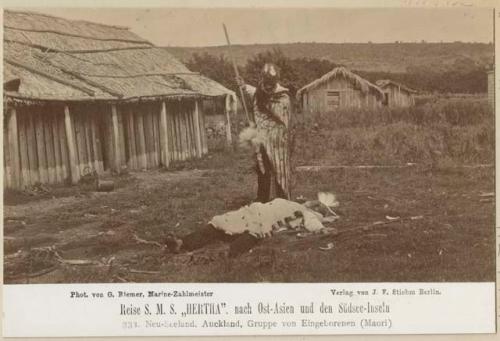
pixel 294 72
pixel 455 73
pixel 459 131
pixel 394 57
pixel 468 78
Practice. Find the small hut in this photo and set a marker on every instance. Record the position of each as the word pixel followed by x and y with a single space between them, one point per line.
pixel 81 97
pixel 339 88
pixel 396 94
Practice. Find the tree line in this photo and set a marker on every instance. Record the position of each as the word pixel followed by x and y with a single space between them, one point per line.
pixel 465 76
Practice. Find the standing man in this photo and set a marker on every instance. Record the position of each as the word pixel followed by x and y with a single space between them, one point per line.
pixel 269 122
pixel 271 118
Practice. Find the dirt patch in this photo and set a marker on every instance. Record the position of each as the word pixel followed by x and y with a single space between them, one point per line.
pixel 452 238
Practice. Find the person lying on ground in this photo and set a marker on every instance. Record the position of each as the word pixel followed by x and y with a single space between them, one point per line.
pixel 245 227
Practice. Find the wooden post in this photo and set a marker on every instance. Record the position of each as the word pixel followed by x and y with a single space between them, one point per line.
pixel 164 147
pixel 87 121
pixel 32 155
pixel 148 135
pixel 182 134
pixel 40 148
pixel 182 129
pixel 70 142
pixel 14 148
pixel 49 147
pixel 178 133
pixel 65 166
pixel 7 178
pixel 156 133
pixel 178 117
pixel 151 134
pixel 203 133
pixel 199 150
pixel 96 146
pixel 116 138
pixel 176 137
pixel 178 120
pixel 192 134
pixel 23 149
pixel 190 138
pixel 107 131
pixel 171 132
pixel 185 130
pixel 141 145
pixel 57 147
pixel 132 158
pixel 186 115
pixel 154 136
pixel 121 132
pixel 227 110
pixel 100 141
pixel 81 149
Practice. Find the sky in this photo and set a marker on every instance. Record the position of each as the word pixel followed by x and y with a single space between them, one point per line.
pixel 203 27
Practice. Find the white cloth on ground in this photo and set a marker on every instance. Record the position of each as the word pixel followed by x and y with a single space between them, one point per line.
pixel 261 220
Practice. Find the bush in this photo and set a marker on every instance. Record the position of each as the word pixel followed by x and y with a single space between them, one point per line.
pixel 442 111
pixel 459 131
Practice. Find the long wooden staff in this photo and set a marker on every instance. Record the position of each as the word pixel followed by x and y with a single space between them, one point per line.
pixel 242 94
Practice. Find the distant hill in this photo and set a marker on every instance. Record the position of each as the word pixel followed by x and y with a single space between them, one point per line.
pixel 390 57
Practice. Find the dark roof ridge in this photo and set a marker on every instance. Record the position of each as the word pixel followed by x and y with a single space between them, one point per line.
pixel 69 52
pixel 51 77
pixel 125 28
pixel 79 35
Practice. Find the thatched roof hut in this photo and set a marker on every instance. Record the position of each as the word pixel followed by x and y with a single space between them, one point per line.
pixel 92 62
pixel 105 81
pixel 339 88
pixel 383 83
pixel 396 94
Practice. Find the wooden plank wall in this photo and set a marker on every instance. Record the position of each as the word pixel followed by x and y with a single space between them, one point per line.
pixel 43 155
pixel 144 131
pixel 41 149
pixel 399 98
pixel 349 97
pixel 54 141
pixel 90 156
pixel 7 177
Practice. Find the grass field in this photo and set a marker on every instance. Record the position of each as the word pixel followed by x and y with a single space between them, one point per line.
pixel 445 231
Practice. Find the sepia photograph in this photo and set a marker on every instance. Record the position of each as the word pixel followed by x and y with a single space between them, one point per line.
pixel 248 145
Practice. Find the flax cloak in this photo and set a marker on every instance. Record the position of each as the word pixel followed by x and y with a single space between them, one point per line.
pixel 272 119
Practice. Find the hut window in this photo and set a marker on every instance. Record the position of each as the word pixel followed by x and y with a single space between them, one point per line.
pixel 333 99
